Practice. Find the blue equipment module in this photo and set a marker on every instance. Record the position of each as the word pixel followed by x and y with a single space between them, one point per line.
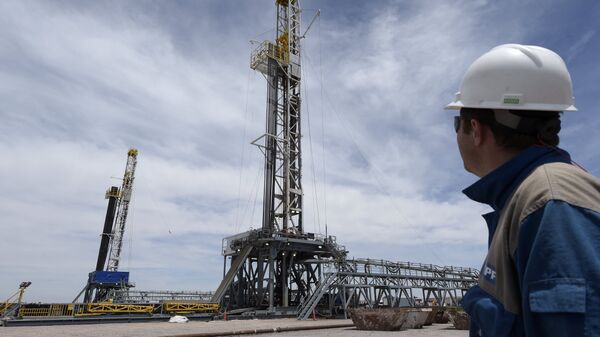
pixel 109 277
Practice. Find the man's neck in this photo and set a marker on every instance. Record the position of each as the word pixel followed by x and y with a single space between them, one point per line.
pixel 494 157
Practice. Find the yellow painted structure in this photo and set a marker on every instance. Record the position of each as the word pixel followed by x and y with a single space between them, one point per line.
pixel 188 307
pixel 117 308
pixel 105 308
pixel 50 310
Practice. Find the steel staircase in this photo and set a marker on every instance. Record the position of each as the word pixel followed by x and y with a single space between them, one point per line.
pixel 238 261
pixel 307 307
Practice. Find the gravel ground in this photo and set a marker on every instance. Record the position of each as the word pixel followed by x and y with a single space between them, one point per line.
pixel 159 329
pixel 436 330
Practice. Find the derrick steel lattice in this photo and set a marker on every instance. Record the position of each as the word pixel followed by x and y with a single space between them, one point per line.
pixel 281 144
pixel 102 280
pixel 116 242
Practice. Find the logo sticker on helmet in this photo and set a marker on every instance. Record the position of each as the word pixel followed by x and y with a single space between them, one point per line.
pixel 511 99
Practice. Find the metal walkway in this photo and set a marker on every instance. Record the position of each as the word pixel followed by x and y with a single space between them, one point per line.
pixel 374 283
pixel 157 296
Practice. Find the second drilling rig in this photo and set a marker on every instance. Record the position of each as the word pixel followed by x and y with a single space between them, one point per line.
pixel 102 280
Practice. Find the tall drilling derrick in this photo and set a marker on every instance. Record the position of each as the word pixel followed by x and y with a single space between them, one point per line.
pixel 102 281
pixel 278 265
pixel 280 63
pixel 116 243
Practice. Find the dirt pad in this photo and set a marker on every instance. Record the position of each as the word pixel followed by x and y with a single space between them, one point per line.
pixel 435 330
pixel 158 329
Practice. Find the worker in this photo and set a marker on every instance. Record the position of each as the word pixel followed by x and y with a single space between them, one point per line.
pixel 541 275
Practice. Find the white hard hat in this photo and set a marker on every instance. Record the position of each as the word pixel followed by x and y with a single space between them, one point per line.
pixel 516 77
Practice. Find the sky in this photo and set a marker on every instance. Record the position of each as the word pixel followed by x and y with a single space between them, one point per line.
pixel 83 81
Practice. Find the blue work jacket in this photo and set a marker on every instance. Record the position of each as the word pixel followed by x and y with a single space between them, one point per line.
pixel 541 276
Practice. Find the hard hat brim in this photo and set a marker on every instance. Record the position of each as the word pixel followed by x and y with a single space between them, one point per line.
pixel 457 105
pixel 454 105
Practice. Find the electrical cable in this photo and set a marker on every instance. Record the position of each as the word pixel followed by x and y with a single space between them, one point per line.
pixel 322 123
pixel 237 209
pixel 316 215
pixel 260 173
pixel 249 202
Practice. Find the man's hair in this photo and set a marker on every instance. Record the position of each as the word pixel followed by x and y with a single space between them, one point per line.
pixel 535 127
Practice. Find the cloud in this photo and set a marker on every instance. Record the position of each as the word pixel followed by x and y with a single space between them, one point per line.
pixel 82 82
pixel 579 45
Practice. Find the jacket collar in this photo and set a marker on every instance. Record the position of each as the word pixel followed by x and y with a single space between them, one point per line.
pixel 495 188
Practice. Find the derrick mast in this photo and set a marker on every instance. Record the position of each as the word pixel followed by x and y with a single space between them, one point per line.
pixel 116 243
pixel 102 280
pixel 280 63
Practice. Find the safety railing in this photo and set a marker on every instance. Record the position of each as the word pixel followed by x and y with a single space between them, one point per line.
pixel 260 56
pixel 176 307
pixel 47 310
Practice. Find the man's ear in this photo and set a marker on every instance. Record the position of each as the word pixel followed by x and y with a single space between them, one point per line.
pixel 477 132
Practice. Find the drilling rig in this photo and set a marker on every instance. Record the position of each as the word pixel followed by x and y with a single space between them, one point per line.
pixel 103 280
pixel 277 266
